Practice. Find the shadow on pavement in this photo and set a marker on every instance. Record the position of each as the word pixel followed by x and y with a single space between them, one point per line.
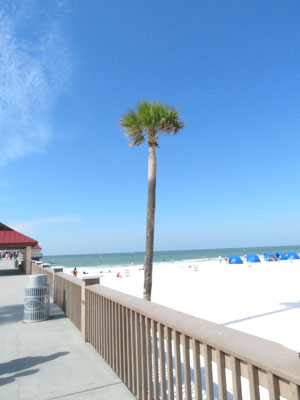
pixel 56 313
pixel 10 314
pixel 19 364
pixel 15 313
pixel 12 378
pixel 10 272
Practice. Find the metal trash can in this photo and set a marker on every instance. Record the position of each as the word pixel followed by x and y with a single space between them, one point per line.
pixel 37 299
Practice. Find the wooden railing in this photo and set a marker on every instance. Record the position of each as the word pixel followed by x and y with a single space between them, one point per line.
pixel 36 268
pixel 67 295
pixel 50 280
pixel 40 269
pixel 164 354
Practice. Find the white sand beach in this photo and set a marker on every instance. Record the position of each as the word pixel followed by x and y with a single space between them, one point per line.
pixel 262 299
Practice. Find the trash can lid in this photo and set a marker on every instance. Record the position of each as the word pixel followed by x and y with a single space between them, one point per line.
pixel 37 280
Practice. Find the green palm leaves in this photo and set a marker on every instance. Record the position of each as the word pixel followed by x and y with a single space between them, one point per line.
pixel 148 120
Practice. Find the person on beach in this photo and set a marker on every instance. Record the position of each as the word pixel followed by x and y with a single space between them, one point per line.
pixel 75 272
pixel 220 259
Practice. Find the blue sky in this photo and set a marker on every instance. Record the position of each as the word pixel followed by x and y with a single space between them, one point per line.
pixel 70 69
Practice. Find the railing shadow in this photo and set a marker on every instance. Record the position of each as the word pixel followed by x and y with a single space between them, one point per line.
pixel 288 306
pixel 56 312
pixel 10 272
pixel 14 313
pixel 192 381
pixel 20 364
pixel 215 386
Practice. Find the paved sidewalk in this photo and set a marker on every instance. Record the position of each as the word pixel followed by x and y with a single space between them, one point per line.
pixel 47 360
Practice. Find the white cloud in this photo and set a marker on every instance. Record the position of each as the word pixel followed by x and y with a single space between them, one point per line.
pixel 32 227
pixel 34 70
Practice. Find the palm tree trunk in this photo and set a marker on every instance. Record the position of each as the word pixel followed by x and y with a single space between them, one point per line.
pixel 150 223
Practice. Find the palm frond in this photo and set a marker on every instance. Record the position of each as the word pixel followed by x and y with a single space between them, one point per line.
pixel 171 124
pixel 144 113
pixel 137 140
pixel 130 120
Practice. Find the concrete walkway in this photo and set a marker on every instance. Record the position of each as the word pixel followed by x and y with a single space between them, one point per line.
pixel 47 360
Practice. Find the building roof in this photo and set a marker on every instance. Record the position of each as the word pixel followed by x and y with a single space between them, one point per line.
pixel 36 247
pixel 12 238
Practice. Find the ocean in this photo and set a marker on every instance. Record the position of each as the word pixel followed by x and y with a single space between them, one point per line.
pixel 106 260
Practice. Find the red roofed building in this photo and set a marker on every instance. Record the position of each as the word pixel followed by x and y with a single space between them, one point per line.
pixel 36 253
pixel 13 240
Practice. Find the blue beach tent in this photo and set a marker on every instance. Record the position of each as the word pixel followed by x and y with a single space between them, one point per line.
pixel 282 256
pixel 234 259
pixel 253 258
pixel 292 255
pixel 269 256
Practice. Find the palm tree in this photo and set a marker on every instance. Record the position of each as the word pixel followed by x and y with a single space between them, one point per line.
pixel 146 123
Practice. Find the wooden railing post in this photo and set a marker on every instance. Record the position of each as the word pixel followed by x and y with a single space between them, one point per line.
pixel 27 260
pixel 33 265
pixel 55 270
pixel 85 282
pixel 38 264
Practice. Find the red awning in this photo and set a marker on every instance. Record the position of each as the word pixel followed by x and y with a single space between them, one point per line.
pixel 9 237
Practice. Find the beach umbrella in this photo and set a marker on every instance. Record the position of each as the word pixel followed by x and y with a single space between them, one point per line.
pixel 234 259
pixel 292 255
pixel 253 258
